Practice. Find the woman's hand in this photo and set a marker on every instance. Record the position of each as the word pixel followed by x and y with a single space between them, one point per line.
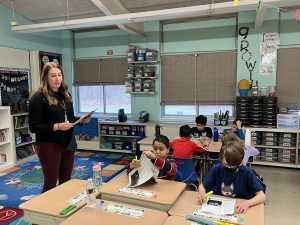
pixel 65 126
pixel 149 154
pixel 135 163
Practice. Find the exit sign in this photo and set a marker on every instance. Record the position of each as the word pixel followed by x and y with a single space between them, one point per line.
pixel 109 52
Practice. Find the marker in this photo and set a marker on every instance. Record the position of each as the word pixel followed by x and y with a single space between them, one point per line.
pixel 67 209
pixel 222 223
pixel 208 194
pixel 136 157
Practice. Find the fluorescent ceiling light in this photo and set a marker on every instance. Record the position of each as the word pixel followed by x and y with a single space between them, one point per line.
pixel 184 12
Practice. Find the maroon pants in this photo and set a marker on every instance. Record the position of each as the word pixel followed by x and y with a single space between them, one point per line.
pixel 57 164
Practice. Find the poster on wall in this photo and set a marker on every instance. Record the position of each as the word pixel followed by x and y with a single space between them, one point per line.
pixel 45 57
pixel 268 52
pixel 14 86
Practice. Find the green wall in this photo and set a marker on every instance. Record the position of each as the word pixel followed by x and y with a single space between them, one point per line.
pixel 46 41
pixel 187 37
pixel 200 36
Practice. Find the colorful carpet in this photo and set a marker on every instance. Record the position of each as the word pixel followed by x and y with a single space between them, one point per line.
pixel 25 181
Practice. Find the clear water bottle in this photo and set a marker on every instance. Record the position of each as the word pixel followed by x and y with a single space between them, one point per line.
pixel 91 192
pixel 97 175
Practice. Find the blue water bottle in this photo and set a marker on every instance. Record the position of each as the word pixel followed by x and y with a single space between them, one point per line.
pixel 216 135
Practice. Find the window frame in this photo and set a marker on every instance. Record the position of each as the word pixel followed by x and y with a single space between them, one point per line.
pixel 96 114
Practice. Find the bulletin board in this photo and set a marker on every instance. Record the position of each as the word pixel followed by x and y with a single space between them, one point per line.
pixel 45 57
pixel 14 85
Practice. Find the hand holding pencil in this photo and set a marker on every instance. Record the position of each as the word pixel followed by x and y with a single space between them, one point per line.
pixel 203 196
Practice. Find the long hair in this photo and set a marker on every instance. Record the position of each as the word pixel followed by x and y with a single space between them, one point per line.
pixel 229 136
pixel 45 88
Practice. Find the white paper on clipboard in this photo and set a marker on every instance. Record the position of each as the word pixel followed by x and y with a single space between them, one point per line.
pixel 85 116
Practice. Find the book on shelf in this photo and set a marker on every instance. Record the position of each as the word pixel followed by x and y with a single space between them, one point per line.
pixel 3 135
pixel 3 158
pixel 25 151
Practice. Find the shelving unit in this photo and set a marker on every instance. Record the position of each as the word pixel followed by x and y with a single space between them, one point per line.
pixel 141 77
pixel 277 147
pixel 7 153
pixel 121 136
pixel 24 142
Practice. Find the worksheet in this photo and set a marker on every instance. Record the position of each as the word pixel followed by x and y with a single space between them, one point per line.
pixel 221 206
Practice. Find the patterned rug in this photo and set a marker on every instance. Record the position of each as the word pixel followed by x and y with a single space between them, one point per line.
pixel 21 183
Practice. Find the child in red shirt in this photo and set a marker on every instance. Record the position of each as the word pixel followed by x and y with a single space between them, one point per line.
pixel 183 147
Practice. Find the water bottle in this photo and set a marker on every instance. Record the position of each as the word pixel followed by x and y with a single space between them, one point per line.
pixel 91 192
pixel 97 175
pixel 216 135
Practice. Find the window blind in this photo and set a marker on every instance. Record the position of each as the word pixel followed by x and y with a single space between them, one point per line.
pixel 99 71
pixel 206 78
pixel 288 77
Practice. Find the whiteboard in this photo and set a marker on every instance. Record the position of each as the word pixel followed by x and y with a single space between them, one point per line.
pixel 14 58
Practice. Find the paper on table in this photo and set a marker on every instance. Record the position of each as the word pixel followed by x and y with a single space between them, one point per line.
pixel 85 116
pixel 142 174
pixel 219 206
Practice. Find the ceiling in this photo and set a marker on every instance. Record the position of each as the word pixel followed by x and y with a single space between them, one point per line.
pixel 40 11
pixel 45 11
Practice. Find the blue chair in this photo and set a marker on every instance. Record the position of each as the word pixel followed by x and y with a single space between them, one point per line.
pixel 186 172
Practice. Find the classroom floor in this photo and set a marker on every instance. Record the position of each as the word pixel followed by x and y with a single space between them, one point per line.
pixel 283 194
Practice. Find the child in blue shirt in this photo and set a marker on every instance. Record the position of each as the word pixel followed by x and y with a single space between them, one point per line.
pixel 237 129
pixel 231 178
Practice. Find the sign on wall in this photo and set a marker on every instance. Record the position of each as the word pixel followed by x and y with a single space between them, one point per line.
pixel 268 52
pixel 45 57
pixel 14 86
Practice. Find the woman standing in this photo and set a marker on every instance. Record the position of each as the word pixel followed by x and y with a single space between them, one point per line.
pixel 51 117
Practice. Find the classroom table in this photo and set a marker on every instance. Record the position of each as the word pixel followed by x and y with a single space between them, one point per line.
pixel 44 209
pixel 187 203
pixel 177 220
pixel 95 216
pixel 164 193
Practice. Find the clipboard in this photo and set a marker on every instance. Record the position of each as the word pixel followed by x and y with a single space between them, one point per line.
pixel 85 116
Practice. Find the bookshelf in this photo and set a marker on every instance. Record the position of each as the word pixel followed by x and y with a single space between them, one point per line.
pixel 7 153
pixel 24 141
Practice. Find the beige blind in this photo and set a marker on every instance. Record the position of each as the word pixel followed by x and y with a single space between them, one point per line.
pixel 288 76
pixel 204 78
pixel 99 71
pixel 216 77
pixel 178 79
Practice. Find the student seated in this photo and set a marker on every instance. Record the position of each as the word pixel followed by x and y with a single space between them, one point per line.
pixel 237 128
pixel 183 147
pixel 201 131
pixel 229 136
pixel 159 157
pixel 231 178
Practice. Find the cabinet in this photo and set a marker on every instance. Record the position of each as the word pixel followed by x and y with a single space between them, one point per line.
pixel 7 153
pixel 24 141
pixel 141 77
pixel 277 147
pixel 121 136
pixel 257 111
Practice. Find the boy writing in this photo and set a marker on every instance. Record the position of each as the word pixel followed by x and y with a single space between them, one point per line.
pixel 159 157
pixel 231 178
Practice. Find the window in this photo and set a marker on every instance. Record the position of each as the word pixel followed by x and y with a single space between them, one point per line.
pixel 108 98
pixel 192 110
pixel 199 84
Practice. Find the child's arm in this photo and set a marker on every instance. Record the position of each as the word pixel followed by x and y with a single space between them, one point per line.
pixel 202 192
pixel 242 207
pixel 199 149
pixel 170 167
